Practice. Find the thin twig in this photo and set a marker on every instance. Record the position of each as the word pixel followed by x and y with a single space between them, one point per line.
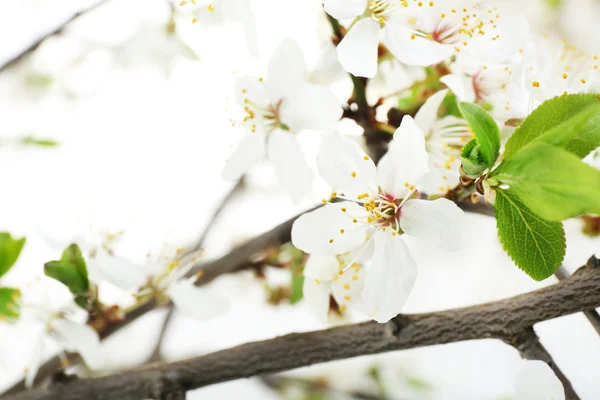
pixel 528 344
pixel 56 30
pixel 156 353
pixel 503 320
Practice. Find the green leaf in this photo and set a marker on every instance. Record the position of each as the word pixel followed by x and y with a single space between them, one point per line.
pixel 552 182
pixel 536 245
pixel 552 114
pixel 10 304
pixel 485 129
pixel 70 270
pixel 32 141
pixel 472 160
pixel 10 249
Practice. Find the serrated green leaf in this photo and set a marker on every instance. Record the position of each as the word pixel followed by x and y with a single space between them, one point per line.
pixel 536 245
pixel 579 135
pixel 70 270
pixel 549 116
pixel 552 182
pixel 10 249
pixel 485 129
pixel 10 304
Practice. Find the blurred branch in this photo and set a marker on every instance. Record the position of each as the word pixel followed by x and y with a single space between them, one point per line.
pixel 318 387
pixel 156 353
pixel 235 260
pixel 504 320
pixel 528 344
pixel 56 30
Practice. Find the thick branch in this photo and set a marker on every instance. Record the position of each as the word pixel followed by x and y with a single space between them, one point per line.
pixel 37 42
pixel 503 319
pixel 592 315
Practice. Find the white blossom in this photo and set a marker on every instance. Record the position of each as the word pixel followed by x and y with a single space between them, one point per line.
pixel 444 139
pixel 415 32
pixel 383 205
pixel 537 381
pixel 163 276
pixel 275 109
pixel 325 276
pixel 237 11
pixel 549 69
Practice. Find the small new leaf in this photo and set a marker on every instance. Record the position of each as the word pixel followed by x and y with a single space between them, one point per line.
pixel 472 160
pixel 32 141
pixel 10 249
pixel 485 129
pixel 70 270
pixel 536 245
pixel 569 121
pixel 10 304
pixel 552 182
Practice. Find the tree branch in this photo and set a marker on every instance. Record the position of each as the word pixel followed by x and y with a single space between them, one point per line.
pixel 528 344
pixel 233 261
pixel 592 315
pixel 37 42
pixel 504 320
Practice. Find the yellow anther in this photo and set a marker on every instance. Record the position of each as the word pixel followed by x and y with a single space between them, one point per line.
pixel 342 231
pixel 355 278
pixel 347 286
pixel 344 209
pixel 353 174
pixel 535 84
pixel 330 240
pixel 366 158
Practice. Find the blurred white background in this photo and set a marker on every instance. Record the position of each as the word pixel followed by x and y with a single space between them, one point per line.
pixel 142 119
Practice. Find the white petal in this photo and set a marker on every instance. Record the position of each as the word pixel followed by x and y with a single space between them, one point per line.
pixel 321 267
pixel 428 113
pixel 316 294
pixel 344 9
pixel 286 155
pixel 357 52
pixel 419 51
pixel 438 221
pixel 241 11
pixel 196 302
pixel 537 381
pixel 338 158
pixel 36 359
pixel 286 72
pixel 406 162
pixel 119 271
pixel 390 278
pixel 311 107
pixel 320 231
pixel 250 88
pixel 460 86
pixel 347 289
pixel 439 180
pixel 80 338
pixel 249 152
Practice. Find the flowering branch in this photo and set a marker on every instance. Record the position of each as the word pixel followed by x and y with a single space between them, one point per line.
pixel 37 42
pixel 504 320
